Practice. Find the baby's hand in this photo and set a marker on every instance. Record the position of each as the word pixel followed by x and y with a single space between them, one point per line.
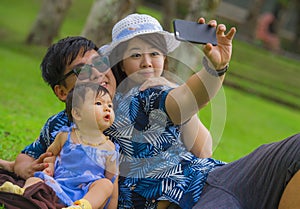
pixel 49 170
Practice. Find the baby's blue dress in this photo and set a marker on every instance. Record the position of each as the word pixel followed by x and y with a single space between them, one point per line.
pixel 154 163
pixel 76 168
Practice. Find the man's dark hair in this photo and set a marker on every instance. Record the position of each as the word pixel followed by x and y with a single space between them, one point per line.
pixel 61 54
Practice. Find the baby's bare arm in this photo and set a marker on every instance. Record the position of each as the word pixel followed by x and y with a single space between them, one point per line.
pixel 55 149
pixel 58 143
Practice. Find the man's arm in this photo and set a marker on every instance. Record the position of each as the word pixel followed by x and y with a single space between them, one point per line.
pixel 7 165
pixel 26 166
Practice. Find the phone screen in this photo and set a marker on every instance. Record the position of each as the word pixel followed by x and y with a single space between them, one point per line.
pixel 194 32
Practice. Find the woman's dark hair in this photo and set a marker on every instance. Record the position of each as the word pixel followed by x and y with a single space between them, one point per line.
pixel 155 39
pixel 76 97
pixel 61 54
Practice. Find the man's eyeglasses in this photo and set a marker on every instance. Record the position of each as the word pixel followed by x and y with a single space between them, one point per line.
pixel 84 72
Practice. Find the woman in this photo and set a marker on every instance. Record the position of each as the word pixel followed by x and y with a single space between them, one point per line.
pixel 155 168
pixel 148 126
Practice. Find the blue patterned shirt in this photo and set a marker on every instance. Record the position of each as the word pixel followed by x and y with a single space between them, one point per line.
pixel 154 163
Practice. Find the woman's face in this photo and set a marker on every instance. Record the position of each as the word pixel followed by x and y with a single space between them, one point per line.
pixel 142 61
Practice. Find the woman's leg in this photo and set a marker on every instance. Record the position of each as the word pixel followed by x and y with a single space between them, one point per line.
pixel 290 197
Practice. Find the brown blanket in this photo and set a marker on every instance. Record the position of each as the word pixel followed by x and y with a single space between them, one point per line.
pixel 38 196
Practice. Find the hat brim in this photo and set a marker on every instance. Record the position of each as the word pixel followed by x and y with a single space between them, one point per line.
pixel 171 42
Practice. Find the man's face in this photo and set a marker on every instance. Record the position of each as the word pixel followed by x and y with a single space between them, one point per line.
pixel 105 79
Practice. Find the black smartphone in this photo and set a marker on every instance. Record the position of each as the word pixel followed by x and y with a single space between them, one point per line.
pixel 194 32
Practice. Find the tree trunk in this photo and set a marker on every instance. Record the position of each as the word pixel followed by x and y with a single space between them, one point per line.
pixel 169 12
pixel 202 8
pixel 297 31
pixel 48 22
pixel 103 15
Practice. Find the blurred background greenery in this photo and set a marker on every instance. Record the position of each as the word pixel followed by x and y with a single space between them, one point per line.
pixel 261 88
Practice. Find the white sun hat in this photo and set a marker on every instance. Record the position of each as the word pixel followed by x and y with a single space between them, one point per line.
pixel 134 25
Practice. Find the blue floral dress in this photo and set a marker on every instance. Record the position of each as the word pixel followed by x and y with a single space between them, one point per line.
pixel 154 163
pixel 76 168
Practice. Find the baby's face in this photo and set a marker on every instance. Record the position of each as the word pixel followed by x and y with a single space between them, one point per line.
pixel 98 111
pixel 104 111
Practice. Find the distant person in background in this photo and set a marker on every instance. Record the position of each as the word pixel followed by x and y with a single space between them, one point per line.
pixel 267 29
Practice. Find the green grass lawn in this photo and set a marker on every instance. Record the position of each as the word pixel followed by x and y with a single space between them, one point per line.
pixel 26 101
pixel 269 75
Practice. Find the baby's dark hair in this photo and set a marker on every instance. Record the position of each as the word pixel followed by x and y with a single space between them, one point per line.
pixel 61 54
pixel 76 97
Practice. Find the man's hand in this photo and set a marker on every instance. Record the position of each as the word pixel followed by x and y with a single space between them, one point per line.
pixel 26 166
